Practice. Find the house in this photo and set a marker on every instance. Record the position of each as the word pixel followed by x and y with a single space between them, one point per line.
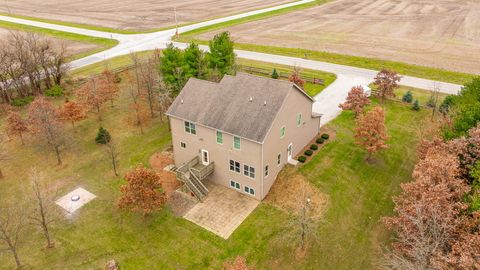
pixel 239 132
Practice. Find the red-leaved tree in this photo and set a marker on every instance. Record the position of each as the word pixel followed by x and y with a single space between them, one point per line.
pixel 296 78
pixel 386 82
pixel 357 99
pixel 143 191
pixel 72 111
pixel 370 131
pixel 93 95
pixel 16 125
pixel 45 124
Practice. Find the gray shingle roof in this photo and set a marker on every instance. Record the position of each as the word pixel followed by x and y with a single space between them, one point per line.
pixel 226 106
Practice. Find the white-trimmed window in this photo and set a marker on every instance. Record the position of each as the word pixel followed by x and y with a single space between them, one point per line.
pixel 234 166
pixel 190 128
pixel 235 185
pixel 219 137
pixel 266 170
pixel 236 142
pixel 299 119
pixel 183 145
pixel 279 159
pixel 282 132
pixel 249 190
pixel 248 171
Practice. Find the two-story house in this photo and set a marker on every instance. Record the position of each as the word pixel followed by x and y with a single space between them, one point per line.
pixel 239 132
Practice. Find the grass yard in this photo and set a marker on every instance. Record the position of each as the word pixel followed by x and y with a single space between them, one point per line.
pixel 349 236
pixel 102 43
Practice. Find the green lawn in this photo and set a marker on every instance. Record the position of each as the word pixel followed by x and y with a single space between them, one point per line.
pixel 104 43
pixel 310 88
pixel 348 60
pixel 358 193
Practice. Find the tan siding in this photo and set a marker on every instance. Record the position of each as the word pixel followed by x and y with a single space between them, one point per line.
pixel 206 138
pixel 295 103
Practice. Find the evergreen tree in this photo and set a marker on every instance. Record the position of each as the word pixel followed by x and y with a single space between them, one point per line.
pixel 103 136
pixel 172 67
pixel 408 97
pixel 416 105
pixel 221 56
pixel 194 62
pixel 275 74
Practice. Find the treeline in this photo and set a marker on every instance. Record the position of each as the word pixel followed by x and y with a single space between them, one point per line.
pixel 437 216
pixel 177 66
pixel 29 64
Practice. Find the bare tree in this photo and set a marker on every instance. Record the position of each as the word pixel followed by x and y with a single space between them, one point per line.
pixel 4 156
pixel 112 151
pixel 44 213
pixel 12 223
pixel 45 123
pixel 149 83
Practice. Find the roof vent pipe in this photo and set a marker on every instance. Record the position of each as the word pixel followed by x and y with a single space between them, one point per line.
pixel 251 99
pixel 265 103
pixel 181 101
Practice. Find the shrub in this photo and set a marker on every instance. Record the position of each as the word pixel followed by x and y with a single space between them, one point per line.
pixel 308 152
pixel 55 91
pixel 103 136
pixel 446 104
pixel 19 102
pixel 431 102
pixel 416 106
pixel 275 74
pixel 313 147
pixel 302 159
pixel 325 136
pixel 408 97
pixel 319 140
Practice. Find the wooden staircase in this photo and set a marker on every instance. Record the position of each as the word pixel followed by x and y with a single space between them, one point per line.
pixel 192 174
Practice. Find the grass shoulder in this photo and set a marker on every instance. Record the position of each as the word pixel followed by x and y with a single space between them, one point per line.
pixel 349 60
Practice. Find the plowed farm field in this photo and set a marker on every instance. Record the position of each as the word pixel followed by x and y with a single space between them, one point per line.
pixel 437 33
pixel 132 15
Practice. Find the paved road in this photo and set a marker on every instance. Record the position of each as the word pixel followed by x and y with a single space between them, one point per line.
pixel 327 101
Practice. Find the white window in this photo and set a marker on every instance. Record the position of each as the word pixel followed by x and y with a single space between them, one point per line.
pixel 249 190
pixel 248 171
pixel 299 119
pixel 234 166
pixel 282 132
pixel 183 145
pixel 266 170
pixel 234 185
pixel 279 159
pixel 236 142
pixel 190 128
pixel 219 137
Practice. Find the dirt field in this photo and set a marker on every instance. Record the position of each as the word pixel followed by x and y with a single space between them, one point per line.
pixel 73 47
pixel 438 33
pixel 132 15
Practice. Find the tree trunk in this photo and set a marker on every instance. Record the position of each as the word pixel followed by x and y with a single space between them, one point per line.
pixel 114 164
pixel 17 260
pixel 47 234
pixel 1 173
pixel 21 138
pixel 57 152
pixel 98 112
pixel 73 124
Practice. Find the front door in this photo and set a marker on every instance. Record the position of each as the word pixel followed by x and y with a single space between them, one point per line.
pixel 205 157
pixel 289 152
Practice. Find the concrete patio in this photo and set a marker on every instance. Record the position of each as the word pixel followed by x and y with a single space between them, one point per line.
pixel 222 211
